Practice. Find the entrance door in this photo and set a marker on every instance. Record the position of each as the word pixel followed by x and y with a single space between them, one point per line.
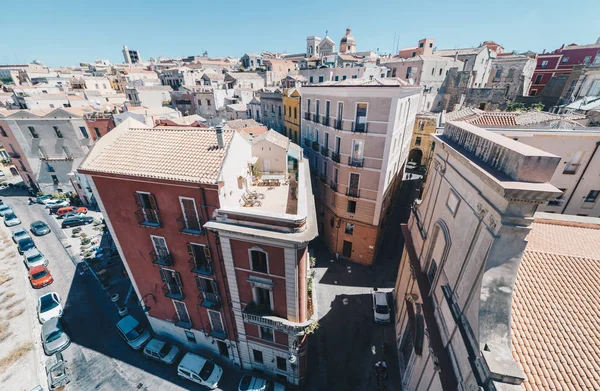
pixel 267 165
pixel 347 249
pixel 223 351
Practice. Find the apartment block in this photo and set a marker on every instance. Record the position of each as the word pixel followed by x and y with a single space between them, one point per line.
pixel 219 262
pixel 357 134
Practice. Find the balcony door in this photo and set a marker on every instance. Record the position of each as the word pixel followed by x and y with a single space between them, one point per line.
pixel 160 246
pixel 216 322
pixel 361 117
pixel 190 213
pixel 338 141
pixel 263 297
pixel 353 183
pixel 327 110
pixel 326 140
pixel 172 280
pixel 340 112
pixel 358 147
pixel 182 313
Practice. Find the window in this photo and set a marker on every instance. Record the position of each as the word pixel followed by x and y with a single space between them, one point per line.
pixel 160 248
pixel 558 200
pixel 351 206
pixel 173 288
pixel 498 74
pixel 353 188
pixel 349 229
pixel 97 131
pixel 344 77
pixel 216 323
pixel 355 76
pixel 421 44
pixel 310 80
pixel 3 132
pixel 295 112
pixel 565 60
pixel 281 363
pixel 418 141
pixel 57 131
pixel 573 164
pixel 200 259
pixel 337 78
pixel 84 132
pixel 414 54
pixel 452 202
pixel 538 79
pixel 182 313
pixel 408 72
pixel 511 73
pixel 544 64
pixel 308 105
pixel 258 356
pixel 320 79
pixel 266 333
pixel 592 195
pixel 199 102
pixel 191 222
pixel 34 134
pixel 441 70
pixel 360 124
pixel 432 71
pixel 533 93
pixel 147 209
pixel 208 102
pixel 259 261
pixel 432 271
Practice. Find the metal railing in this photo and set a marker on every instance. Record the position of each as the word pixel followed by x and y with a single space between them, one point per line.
pixel 325 151
pixel 315 118
pixel 338 124
pixel 307 142
pixel 335 157
pixel 189 225
pixel 356 162
pixel 325 120
pixel 333 185
pixel 176 294
pixel 15 155
pixel 351 192
pixel 161 259
pixel 209 300
pixel 148 217
pixel 200 268
pixel 360 127
pixel 219 334
pixel 315 145
pixel 183 323
pixel 307 116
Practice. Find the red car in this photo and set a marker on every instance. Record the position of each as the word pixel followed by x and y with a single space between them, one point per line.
pixel 40 276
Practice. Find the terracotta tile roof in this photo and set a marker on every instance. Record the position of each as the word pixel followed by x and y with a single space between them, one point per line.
pixel 555 312
pixel 170 153
pixel 374 82
pixel 273 137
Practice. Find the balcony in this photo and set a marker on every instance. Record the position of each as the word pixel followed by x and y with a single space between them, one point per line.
pixel 325 151
pixel 161 259
pixel 266 318
pixel 315 118
pixel 307 143
pixel 218 334
pixel 148 217
pixel 338 124
pixel 189 225
pixel 209 300
pixel 325 120
pixel 323 178
pixel 353 192
pixel 307 116
pixel 199 267
pixel 571 168
pixel 333 185
pixel 360 127
pixel 15 155
pixel 315 146
pixel 356 162
pixel 7 162
pixel 186 324
pixel 335 157
pixel 173 291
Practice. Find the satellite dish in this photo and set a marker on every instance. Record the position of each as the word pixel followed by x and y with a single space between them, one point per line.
pixel 292 359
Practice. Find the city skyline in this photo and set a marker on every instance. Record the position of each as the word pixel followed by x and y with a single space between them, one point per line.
pixel 450 25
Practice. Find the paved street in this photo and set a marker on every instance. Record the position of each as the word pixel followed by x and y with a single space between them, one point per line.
pixel 98 358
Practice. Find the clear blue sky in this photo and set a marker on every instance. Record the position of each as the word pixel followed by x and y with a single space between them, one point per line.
pixel 68 32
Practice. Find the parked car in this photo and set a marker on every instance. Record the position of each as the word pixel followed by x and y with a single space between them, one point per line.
pixel 33 258
pixel 133 332
pixel 411 166
pixel 59 203
pixel 25 244
pixel 381 309
pixel 39 228
pixel 253 383
pixel 11 219
pixel 42 199
pixel 19 234
pixel 40 276
pixel 64 210
pixel 49 307
pixel 4 209
pixel 57 372
pixel 200 370
pixel 161 351
pixel 54 336
pixel 75 221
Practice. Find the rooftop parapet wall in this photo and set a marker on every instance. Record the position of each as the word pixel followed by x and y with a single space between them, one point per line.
pixel 517 161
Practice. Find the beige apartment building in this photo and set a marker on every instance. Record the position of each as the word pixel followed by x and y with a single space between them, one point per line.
pixel 463 246
pixel 356 134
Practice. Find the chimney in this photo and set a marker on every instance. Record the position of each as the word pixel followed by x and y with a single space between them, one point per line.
pixel 456 56
pixel 219 131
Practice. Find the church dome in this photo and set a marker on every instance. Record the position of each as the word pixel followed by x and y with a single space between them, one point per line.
pixel 348 38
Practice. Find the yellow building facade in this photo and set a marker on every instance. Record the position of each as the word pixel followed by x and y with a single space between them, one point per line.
pixel 422 145
pixel 291 118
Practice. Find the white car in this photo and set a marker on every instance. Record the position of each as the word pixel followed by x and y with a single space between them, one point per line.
pixel 19 234
pixel 11 219
pixel 49 307
pixel 381 309
pixel 161 351
pixel 4 209
pixel 200 370
pixel 60 203
pixel 34 257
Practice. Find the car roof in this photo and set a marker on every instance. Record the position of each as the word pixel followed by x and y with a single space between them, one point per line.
pixel 380 298
pixel 256 383
pixel 127 323
pixel 37 269
pixel 19 230
pixel 192 362
pixel 50 325
pixel 39 222
pixel 31 252
pixel 155 344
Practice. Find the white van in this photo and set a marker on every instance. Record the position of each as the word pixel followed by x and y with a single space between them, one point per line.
pixel 133 332
pixel 200 370
pixel 162 351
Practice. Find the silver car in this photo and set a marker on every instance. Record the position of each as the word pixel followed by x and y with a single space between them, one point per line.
pixel 33 258
pixel 4 209
pixel 11 219
pixel 19 234
pixel 54 336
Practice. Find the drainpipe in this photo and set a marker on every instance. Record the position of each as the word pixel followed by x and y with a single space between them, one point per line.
pixel 580 177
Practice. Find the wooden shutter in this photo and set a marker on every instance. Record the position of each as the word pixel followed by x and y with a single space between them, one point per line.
pixel 190 249
pixel 200 284
pixel 138 200
pixel 207 253
pixel 163 275
pixel 153 203
pixel 177 279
